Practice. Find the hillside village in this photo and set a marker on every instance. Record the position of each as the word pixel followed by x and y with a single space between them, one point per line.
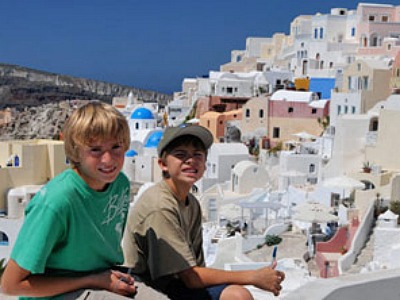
pixel 304 130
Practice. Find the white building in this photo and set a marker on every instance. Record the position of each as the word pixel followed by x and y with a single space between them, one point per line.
pixel 222 158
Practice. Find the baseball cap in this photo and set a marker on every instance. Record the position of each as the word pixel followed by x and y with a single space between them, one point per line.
pixel 172 133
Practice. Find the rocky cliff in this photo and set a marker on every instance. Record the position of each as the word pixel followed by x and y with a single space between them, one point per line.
pixel 37 99
pixel 21 87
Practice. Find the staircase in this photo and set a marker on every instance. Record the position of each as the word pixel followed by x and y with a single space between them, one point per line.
pixel 366 255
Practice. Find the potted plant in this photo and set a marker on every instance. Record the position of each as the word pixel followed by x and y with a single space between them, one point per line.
pixel 366 167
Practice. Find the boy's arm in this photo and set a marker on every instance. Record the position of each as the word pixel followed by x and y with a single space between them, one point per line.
pixel 264 278
pixel 20 282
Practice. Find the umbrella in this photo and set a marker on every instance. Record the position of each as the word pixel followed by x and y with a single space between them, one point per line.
pixel 312 206
pixel 315 216
pixel 314 212
pixel 343 182
pixel 193 121
pixel 305 135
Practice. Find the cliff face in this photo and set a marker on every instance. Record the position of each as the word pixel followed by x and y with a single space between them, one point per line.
pixel 20 87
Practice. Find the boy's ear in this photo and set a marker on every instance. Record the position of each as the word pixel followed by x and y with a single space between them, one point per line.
pixel 162 164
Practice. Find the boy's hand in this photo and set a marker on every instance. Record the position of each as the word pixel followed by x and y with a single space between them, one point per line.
pixel 119 283
pixel 122 283
pixel 269 279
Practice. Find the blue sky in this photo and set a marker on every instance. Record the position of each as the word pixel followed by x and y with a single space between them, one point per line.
pixel 148 44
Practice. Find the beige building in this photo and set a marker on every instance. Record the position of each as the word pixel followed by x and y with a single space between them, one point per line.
pixel 255 116
pixel 365 83
pixel 39 161
pixel 369 77
pixel 385 152
pixel 217 122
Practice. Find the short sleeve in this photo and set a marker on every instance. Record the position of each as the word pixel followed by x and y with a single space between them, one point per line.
pixel 169 252
pixel 41 231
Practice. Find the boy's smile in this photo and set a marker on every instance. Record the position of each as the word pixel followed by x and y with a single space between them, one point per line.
pixel 101 162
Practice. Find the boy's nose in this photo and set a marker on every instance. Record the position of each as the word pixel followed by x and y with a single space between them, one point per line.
pixel 106 156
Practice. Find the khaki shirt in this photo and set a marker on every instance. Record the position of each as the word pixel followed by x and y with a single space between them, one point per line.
pixel 163 235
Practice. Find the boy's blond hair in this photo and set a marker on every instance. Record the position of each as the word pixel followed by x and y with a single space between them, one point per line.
pixel 93 121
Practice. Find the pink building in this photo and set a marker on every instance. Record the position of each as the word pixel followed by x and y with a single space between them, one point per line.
pixel 379 29
pixel 290 112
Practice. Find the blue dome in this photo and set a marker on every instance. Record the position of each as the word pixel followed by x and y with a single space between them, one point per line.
pixel 142 114
pixel 154 139
pixel 130 153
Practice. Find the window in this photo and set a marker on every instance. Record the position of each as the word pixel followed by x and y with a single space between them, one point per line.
pixel 290 109
pixel 346 109
pixel 358 67
pixel 365 82
pixel 247 113
pixel 321 33
pixel 339 109
pixel 385 18
pixel 212 209
pixel 136 125
pixel 314 111
pixel 374 125
pixel 353 31
pixel 229 90
pixel 261 113
pixel 315 33
pixel 236 89
pixel 276 132
pixel 311 168
pixel 371 18
pixel 353 110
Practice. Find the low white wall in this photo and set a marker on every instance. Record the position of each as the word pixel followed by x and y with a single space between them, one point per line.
pixel 359 240
pixel 382 285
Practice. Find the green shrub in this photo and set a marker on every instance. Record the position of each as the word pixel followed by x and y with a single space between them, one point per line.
pixel 272 240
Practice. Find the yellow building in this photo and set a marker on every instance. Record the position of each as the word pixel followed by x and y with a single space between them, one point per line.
pixel 38 162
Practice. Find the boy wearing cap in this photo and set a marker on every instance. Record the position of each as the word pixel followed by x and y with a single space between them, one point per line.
pixel 163 240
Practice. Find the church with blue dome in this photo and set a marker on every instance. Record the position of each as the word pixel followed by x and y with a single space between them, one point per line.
pixel 142 118
pixel 141 159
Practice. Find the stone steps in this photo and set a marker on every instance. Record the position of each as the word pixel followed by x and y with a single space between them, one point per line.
pixel 365 257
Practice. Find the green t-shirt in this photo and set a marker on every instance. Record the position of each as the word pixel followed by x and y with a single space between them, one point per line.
pixel 70 229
